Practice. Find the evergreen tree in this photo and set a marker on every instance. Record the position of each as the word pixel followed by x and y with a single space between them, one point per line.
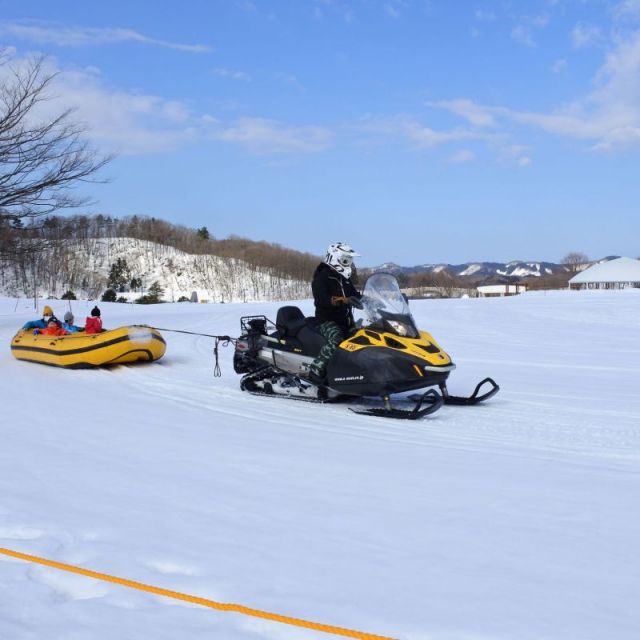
pixel 109 296
pixel 119 275
pixel 155 292
pixel 153 295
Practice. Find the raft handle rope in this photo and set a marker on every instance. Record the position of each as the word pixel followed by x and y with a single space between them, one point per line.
pixel 224 340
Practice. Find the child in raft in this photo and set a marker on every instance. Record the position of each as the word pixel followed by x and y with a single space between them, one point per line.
pixel 68 323
pixel 53 328
pixel 45 326
pixel 93 323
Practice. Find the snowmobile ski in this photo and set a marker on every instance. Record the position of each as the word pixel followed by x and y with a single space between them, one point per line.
pixel 474 398
pixel 432 399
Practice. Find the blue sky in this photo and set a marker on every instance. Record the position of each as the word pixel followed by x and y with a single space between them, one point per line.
pixel 418 131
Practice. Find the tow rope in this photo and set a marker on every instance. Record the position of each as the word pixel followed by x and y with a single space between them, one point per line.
pixel 224 340
pixel 194 333
pixel 212 604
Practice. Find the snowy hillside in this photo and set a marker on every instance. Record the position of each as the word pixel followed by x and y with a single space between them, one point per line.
pixel 517 519
pixel 84 267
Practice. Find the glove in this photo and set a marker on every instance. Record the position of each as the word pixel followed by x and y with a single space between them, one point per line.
pixel 355 302
pixel 36 332
pixel 336 300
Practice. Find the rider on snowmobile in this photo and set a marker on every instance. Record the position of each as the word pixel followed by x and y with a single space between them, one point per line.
pixel 334 296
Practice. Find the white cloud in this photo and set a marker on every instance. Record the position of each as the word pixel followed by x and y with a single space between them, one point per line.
pixel 247 5
pixel 523 32
pixel 523 35
pixel 232 73
pixel 539 21
pixel 585 36
pixel 475 114
pixel 628 9
pixel 132 123
pixel 341 8
pixel 115 120
pixel 484 16
pixel 514 155
pixel 461 157
pixel 608 117
pixel 290 79
pixel 126 122
pixel 559 65
pixel 410 130
pixel 394 8
pixel 391 11
pixel 65 36
pixel 262 135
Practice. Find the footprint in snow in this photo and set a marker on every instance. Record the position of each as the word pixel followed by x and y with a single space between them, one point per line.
pixel 166 567
pixel 20 532
pixel 68 586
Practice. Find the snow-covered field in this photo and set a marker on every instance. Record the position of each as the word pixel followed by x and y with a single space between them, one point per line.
pixel 518 519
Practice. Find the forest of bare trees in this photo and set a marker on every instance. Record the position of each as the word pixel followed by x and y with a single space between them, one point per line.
pixel 78 246
pixel 278 260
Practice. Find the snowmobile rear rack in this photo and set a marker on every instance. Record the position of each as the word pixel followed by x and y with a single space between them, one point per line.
pixel 252 325
pixel 474 398
pixel 431 398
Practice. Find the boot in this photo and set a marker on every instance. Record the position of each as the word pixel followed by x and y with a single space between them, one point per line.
pixel 317 377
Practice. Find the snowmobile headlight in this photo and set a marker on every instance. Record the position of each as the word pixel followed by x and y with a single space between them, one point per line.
pixel 399 327
pixel 404 329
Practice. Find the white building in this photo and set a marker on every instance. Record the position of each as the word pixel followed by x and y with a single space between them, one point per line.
pixel 620 273
pixel 496 290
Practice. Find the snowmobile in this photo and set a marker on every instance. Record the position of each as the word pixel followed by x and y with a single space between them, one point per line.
pixel 385 355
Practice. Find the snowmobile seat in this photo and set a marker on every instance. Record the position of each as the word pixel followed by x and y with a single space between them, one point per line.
pixel 289 321
pixel 310 338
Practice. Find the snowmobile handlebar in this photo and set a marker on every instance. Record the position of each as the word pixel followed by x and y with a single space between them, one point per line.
pixel 352 301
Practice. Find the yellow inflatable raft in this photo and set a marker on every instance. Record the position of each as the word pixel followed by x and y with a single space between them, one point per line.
pixel 80 350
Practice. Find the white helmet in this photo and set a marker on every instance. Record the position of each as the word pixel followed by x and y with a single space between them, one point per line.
pixel 340 257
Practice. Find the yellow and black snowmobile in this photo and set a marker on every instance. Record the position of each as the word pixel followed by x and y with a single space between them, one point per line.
pixel 385 356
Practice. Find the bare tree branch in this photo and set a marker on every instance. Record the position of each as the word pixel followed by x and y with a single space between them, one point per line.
pixel 40 161
pixel 574 260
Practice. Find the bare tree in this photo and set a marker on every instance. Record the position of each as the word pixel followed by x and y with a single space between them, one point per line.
pixel 574 259
pixel 40 160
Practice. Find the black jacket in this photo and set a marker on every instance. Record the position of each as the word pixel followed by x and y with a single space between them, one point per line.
pixel 327 284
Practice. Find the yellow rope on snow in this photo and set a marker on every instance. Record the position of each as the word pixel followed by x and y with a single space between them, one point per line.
pixel 212 604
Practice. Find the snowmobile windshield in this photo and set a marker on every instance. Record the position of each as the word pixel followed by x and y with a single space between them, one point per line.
pixel 386 307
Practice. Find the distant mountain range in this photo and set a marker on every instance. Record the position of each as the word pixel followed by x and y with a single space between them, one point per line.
pixel 481 271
